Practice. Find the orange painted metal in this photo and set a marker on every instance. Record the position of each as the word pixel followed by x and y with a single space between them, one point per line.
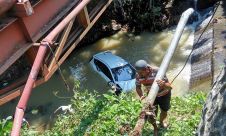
pixel 10 96
pixel 23 8
pixel 83 17
pixel 26 30
pixel 12 40
pixel 37 64
pixel 43 13
pixel 21 48
pixel 16 40
pixel 5 5
pixel 24 40
pixel 101 7
pixel 16 84
pixel 15 92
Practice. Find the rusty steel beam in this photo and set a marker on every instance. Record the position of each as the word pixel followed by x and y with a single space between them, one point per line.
pixel 64 22
pixel 21 107
pixel 44 13
pixel 14 48
pixel 95 10
pixel 16 84
pixel 83 17
pixel 26 30
pixel 17 91
pixel 8 97
pixel 72 47
pixel 23 8
pixel 5 5
pixel 61 45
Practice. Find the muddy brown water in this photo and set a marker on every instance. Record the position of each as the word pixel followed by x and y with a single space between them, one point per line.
pixel 46 98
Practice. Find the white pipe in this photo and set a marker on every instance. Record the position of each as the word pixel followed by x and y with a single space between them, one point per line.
pixel 169 54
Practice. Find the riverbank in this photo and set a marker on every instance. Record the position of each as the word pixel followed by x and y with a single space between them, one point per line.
pixel 137 16
pixel 118 115
pixel 152 46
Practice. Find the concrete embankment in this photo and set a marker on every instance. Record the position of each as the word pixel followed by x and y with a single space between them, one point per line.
pixel 219 33
pixel 209 55
pixel 201 57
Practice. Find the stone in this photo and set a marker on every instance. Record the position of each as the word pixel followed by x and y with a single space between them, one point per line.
pixel 214 112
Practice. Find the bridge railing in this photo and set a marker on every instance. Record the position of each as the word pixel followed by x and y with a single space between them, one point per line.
pixel 80 12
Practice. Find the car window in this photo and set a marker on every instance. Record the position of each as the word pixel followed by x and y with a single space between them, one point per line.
pixel 124 73
pixel 103 68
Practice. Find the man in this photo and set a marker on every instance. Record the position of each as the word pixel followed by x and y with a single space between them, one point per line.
pixel 145 76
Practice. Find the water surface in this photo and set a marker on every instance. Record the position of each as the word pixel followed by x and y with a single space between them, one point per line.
pixel 152 47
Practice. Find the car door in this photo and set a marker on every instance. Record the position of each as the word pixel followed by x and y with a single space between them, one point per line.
pixel 103 70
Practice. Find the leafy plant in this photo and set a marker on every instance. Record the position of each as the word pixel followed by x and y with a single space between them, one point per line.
pixel 140 14
pixel 110 115
pixel 5 126
pixel 185 114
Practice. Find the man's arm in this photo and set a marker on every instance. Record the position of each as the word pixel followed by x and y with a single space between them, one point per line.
pixel 164 85
pixel 168 86
pixel 139 91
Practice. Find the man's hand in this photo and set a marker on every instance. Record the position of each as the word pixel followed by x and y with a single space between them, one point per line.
pixel 161 83
pixel 142 97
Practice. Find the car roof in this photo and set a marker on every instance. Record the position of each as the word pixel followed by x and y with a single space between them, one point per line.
pixel 110 59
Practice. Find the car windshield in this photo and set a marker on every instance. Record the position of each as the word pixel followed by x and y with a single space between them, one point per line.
pixel 124 73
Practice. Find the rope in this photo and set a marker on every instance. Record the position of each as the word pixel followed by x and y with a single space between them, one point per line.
pixel 196 43
pixel 60 71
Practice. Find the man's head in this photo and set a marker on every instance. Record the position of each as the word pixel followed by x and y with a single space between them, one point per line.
pixel 141 67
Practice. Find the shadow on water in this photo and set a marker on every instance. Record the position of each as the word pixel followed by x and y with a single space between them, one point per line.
pixel 224 7
pixel 224 33
pixel 200 43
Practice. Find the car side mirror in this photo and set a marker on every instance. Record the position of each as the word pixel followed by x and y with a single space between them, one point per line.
pixel 98 69
pixel 110 83
pixel 114 88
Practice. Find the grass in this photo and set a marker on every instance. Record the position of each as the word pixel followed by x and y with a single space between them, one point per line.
pixel 5 126
pixel 109 115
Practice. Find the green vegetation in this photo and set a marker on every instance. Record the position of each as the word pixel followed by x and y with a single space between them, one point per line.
pixel 141 14
pixel 5 126
pixel 109 115
pixel 185 114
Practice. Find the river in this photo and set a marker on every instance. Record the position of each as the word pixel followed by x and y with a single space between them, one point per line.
pixel 46 98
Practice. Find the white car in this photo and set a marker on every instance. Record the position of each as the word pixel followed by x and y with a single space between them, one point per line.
pixel 119 74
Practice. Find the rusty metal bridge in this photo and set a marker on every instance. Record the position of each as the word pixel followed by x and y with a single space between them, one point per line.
pixel 39 35
pixel 28 26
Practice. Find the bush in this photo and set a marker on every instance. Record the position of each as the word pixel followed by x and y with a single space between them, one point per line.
pixel 140 14
pixel 109 115
pixel 97 115
pixel 5 126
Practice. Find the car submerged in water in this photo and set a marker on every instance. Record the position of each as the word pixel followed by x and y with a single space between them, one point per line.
pixel 119 74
